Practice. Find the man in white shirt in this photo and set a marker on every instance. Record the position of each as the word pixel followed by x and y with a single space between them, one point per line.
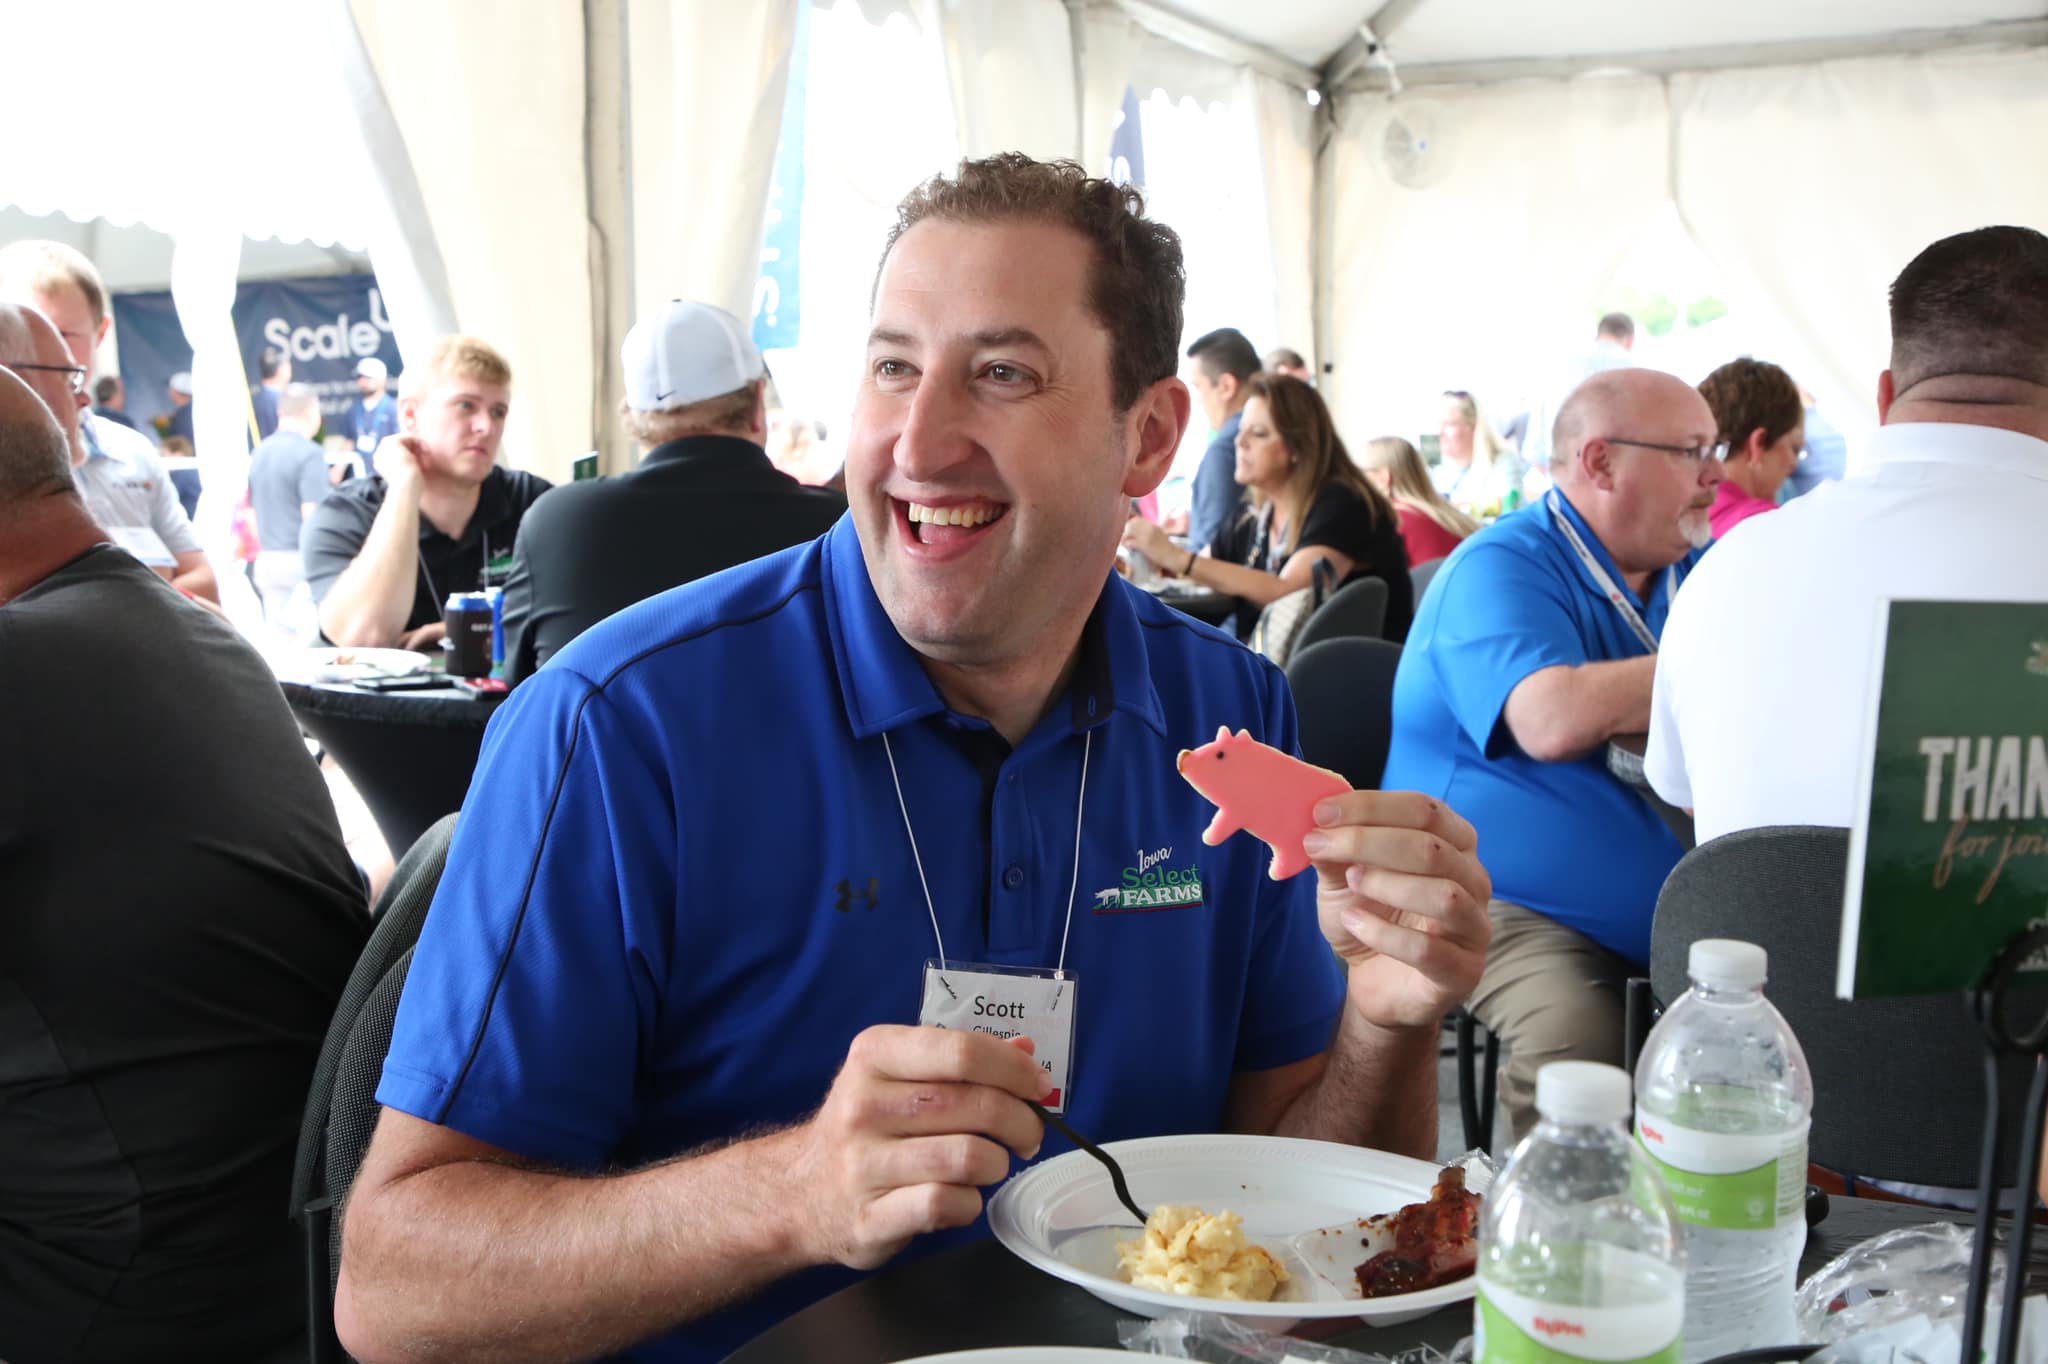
pixel 1950 504
pixel 120 476
pixel 1613 343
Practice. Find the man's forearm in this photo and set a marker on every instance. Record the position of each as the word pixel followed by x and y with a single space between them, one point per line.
pixel 371 601
pixel 478 1260
pixel 1563 713
pixel 1378 1089
pixel 196 576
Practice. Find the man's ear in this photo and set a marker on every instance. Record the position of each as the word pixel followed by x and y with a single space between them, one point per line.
pixel 1152 432
pixel 1596 461
pixel 1886 395
pixel 409 413
pixel 1228 386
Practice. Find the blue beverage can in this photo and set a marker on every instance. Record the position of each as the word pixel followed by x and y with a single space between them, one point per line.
pixel 496 597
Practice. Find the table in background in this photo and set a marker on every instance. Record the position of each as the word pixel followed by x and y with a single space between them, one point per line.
pixel 1625 760
pixel 1213 607
pixel 981 1296
pixel 409 754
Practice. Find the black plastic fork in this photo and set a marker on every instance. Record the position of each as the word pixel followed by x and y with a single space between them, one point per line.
pixel 1116 1171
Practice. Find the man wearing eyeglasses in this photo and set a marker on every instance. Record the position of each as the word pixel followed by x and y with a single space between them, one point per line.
pixel 1535 645
pixel 31 348
pixel 119 474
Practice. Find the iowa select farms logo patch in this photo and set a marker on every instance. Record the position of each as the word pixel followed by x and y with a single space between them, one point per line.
pixel 1154 883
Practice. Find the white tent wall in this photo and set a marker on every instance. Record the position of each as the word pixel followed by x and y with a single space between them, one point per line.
pixel 1108 43
pixel 707 90
pixel 412 274
pixel 222 90
pixel 1010 70
pixel 1203 179
pixel 877 120
pixel 1469 282
pixel 1284 126
pixel 492 117
pixel 1811 187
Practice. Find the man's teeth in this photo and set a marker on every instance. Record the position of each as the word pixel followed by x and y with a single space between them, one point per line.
pixel 951 516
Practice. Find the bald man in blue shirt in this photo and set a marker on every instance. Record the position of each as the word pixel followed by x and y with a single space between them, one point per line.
pixel 1534 645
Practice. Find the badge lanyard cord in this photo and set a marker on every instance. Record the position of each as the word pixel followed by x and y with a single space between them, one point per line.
pixel 1073 887
pixel 1606 584
pixel 483 574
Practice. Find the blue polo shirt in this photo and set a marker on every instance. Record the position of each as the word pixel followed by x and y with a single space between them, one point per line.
pixel 681 882
pixel 1564 839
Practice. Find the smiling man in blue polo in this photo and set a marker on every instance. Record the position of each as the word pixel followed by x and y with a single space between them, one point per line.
pixel 776 895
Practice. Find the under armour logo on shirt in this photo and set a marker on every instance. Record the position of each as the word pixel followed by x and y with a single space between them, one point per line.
pixel 849 894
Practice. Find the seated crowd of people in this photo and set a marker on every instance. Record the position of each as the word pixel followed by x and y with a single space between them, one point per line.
pixel 655 1084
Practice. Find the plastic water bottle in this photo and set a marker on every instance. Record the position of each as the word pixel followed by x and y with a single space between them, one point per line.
pixel 1723 1104
pixel 1579 1251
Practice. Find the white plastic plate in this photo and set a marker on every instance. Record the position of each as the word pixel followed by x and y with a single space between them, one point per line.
pixel 1063 1217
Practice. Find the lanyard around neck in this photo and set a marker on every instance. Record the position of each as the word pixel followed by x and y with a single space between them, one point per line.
pixel 1073 887
pixel 1623 601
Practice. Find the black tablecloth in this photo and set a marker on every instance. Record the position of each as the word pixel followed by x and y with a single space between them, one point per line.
pixel 1213 607
pixel 981 1296
pixel 409 754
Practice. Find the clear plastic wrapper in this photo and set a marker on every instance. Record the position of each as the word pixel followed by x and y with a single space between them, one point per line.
pixel 1219 1340
pixel 1912 1272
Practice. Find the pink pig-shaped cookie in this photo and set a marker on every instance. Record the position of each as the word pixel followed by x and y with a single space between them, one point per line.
pixel 1257 787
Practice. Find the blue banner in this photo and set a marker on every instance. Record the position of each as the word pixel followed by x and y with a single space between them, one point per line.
pixel 325 323
pixel 1127 144
pixel 777 311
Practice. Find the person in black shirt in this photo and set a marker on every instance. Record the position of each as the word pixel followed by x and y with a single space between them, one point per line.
pixel 1308 501
pixel 437 516
pixel 704 497
pixel 177 920
pixel 274 367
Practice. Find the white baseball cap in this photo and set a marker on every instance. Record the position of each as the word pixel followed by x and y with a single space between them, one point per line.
pixel 370 367
pixel 181 382
pixel 684 353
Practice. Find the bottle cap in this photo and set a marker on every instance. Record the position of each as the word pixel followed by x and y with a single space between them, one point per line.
pixel 1726 964
pixel 1582 1092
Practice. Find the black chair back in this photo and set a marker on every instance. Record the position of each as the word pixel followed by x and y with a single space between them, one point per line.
pixel 1898 1083
pixel 341 1108
pixel 1357 610
pixel 1420 574
pixel 1344 697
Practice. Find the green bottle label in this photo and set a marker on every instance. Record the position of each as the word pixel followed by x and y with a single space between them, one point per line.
pixel 1519 1330
pixel 1727 1181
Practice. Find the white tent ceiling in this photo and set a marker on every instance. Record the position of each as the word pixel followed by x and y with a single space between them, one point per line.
pixel 1432 32
pixel 509 154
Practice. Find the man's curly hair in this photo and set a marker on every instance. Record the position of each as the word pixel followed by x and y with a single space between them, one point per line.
pixel 1137 280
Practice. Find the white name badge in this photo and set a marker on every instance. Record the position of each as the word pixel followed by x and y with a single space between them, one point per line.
pixel 1005 1002
pixel 144 543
